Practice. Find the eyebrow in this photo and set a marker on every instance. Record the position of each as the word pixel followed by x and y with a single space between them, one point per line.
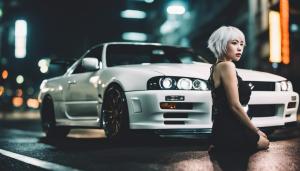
pixel 237 40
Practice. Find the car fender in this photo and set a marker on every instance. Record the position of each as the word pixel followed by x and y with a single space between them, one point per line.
pixel 127 79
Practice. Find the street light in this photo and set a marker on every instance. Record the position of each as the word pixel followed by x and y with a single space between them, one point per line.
pixel 176 9
pixel 20 38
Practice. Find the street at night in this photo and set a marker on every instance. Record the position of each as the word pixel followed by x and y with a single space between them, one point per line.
pixel 89 150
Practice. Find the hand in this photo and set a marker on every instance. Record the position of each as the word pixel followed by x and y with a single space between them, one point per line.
pixel 263 143
pixel 260 133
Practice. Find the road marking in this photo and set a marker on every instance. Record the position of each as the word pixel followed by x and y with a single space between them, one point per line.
pixel 36 162
pixel 30 133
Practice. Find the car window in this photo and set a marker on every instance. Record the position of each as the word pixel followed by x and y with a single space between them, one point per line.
pixel 95 52
pixel 123 54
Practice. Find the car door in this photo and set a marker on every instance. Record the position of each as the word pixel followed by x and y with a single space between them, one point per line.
pixel 81 92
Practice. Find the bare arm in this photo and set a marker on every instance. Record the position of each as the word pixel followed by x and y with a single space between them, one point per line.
pixel 230 82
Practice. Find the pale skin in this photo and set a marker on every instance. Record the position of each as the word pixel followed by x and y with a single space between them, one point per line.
pixel 225 72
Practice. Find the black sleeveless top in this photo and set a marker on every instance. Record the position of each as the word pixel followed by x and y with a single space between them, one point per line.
pixel 227 131
pixel 219 96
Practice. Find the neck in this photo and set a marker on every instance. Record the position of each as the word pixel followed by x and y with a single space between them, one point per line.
pixel 223 59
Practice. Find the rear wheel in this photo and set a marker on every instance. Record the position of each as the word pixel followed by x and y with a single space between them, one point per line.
pixel 115 113
pixel 48 120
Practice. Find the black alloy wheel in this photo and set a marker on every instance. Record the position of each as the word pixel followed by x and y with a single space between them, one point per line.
pixel 115 113
pixel 48 120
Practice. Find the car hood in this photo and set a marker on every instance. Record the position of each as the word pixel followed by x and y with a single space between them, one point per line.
pixel 180 70
pixel 250 75
pixel 200 70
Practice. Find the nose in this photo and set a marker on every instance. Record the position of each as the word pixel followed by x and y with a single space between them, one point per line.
pixel 240 47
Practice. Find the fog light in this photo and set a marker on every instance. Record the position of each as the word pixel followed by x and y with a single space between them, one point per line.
pixel 291 105
pixel 166 105
pixel 288 115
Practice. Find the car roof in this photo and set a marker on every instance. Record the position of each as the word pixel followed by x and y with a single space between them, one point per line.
pixel 138 43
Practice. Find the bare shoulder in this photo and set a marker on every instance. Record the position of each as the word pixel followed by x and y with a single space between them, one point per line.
pixel 227 66
pixel 225 72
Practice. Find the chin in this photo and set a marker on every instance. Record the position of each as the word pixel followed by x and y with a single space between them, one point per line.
pixel 237 59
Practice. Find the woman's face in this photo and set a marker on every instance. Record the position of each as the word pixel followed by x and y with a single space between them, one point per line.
pixel 235 49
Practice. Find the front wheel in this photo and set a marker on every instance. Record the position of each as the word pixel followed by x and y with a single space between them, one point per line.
pixel 115 113
pixel 48 120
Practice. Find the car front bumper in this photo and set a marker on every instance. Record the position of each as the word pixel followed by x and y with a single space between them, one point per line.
pixel 146 113
pixel 281 102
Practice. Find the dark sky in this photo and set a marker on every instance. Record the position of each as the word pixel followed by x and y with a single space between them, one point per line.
pixel 60 29
pixel 68 27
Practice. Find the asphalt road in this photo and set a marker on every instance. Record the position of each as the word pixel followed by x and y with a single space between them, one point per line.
pixel 24 147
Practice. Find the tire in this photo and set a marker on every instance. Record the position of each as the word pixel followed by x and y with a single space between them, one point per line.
pixel 48 120
pixel 115 117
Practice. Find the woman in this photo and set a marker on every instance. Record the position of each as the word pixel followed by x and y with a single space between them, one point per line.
pixel 232 127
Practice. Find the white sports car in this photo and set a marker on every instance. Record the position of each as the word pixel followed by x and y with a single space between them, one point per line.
pixel 145 86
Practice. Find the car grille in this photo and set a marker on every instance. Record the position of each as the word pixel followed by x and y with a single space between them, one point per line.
pixel 262 86
pixel 174 122
pixel 262 110
pixel 175 116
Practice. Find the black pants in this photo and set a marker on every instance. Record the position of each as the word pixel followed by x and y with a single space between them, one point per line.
pixel 229 134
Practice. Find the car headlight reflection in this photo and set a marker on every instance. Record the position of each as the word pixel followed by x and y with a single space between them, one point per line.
pixel 185 84
pixel 199 85
pixel 286 86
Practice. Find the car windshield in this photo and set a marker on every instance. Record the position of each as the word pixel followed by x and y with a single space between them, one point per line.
pixel 123 54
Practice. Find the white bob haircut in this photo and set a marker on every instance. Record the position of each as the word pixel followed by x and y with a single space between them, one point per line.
pixel 218 40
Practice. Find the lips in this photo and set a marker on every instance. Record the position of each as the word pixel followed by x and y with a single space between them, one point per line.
pixel 238 54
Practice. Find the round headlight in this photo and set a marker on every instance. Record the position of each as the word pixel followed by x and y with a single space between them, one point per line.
pixel 184 83
pixel 167 83
pixel 199 85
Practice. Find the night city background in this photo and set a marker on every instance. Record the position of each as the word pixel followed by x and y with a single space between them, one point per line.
pixel 39 39
pixel 63 30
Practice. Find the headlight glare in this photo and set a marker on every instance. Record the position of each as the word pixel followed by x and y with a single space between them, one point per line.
pixel 185 84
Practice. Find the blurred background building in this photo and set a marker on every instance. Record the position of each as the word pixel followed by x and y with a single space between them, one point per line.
pixel 34 32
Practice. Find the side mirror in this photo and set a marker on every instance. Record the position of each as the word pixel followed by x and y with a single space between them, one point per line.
pixel 90 64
